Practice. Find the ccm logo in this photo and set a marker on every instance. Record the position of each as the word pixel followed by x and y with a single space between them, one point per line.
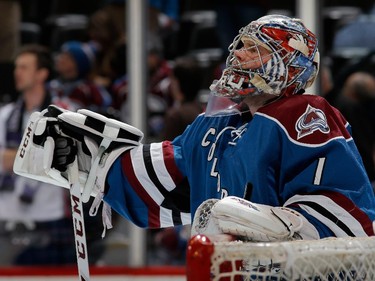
pixel 79 227
pixel 26 140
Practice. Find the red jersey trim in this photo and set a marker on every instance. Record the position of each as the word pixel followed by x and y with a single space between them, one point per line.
pixel 153 208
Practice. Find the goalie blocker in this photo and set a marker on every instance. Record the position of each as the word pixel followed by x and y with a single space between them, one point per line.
pixel 100 140
pixel 35 154
pixel 254 222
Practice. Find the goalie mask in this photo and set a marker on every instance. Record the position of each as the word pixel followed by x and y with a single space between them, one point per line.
pixel 275 54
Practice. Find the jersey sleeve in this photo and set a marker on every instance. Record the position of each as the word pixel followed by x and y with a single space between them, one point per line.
pixel 147 187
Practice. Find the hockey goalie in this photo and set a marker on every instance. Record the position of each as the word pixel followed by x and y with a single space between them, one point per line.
pixel 266 161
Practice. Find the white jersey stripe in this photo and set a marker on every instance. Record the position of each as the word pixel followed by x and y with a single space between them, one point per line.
pixel 319 171
pixel 186 218
pixel 136 156
pixel 335 229
pixel 352 223
pixel 156 151
pixel 165 217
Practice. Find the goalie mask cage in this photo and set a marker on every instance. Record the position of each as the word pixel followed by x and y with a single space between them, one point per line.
pixel 221 258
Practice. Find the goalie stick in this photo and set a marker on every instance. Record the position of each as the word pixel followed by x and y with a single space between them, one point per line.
pixel 113 135
pixel 78 223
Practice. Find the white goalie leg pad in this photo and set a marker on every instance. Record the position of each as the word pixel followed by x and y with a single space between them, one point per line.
pixel 203 222
pixel 33 159
pixel 257 222
pixel 112 138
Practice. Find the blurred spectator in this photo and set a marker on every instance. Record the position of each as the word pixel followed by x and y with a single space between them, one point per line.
pixel 10 19
pixel 163 24
pixel 357 104
pixel 327 85
pixel 159 97
pixel 163 14
pixel 119 86
pixel 159 70
pixel 357 34
pixel 73 65
pixel 186 81
pixel 35 225
pixel 326 81
pixel 107 29
pixel 364 63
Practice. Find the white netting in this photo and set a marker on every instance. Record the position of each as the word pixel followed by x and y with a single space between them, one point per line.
pixel 331 259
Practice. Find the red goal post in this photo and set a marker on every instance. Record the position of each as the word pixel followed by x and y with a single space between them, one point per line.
pixel 221 258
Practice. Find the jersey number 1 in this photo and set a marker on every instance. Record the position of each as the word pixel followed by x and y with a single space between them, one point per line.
pixel 319 171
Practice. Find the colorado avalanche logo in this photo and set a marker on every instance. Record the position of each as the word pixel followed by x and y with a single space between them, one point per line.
pixel 311 120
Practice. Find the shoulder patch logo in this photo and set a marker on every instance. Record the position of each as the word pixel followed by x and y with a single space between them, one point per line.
pixel 311 120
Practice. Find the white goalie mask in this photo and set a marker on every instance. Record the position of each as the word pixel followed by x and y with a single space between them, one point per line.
pixel 282 59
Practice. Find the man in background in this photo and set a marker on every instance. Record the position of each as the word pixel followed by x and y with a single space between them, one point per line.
pixel 357 103
pixel 74 65
pixel 35 225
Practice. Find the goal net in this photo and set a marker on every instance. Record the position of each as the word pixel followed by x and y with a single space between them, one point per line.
pixel 222 258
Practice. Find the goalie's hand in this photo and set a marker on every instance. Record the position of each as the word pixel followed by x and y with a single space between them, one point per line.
pixel 100 141
pixel 64 153
pixel 250 221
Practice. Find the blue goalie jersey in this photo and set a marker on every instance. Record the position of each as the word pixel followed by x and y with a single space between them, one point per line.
pixel 296 152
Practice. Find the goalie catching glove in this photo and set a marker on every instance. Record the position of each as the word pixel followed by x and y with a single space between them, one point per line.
pixel 100 141
pixel 250 221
